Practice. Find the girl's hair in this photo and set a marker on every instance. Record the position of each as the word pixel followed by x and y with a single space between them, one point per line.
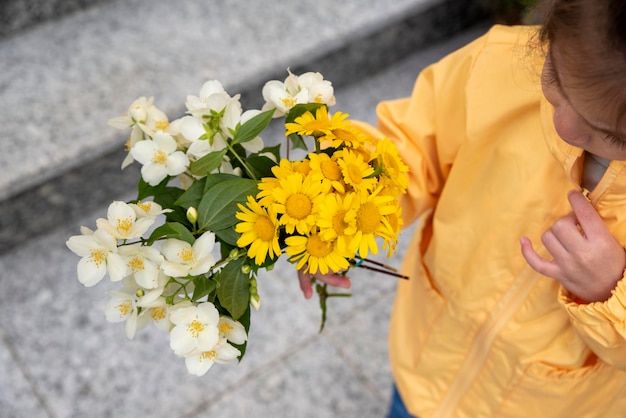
pixel 591 35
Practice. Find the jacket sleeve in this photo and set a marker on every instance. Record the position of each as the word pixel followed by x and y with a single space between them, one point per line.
pixel 602 325
pixel 429 126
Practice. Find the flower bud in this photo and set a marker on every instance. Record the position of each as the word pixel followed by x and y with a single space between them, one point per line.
pixel 255 301
pixel 138 114
pixel 246 269
pixel 234 253
pixel 140 293
pixel 192 215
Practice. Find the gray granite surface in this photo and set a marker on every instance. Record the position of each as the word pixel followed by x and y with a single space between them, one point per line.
pixel 60 358
pixel 61 80
pixel 19 15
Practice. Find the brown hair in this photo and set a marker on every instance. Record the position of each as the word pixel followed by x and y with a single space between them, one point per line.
pixel 592 39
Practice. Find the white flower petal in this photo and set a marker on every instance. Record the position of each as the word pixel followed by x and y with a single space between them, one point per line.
pixel 153 174
pixel 174 269
pixel 89 273
pixel 181 342
pixel 176 163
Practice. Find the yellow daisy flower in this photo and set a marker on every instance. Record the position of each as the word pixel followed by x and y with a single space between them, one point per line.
pixel 356 171
pixel 343 133
pixel 393 167
pixel 395 222
pixel 259 229
pixel 337 220
pixel 315 254
pixel 310 125
pixel 371 222
pixel 326 170
pixel 296 200
pixel 280 171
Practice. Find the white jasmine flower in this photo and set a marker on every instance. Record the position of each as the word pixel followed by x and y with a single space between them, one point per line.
pixel 318 89
pixel 99 255
pixel 148 209
pixel 122 222
pixel 143 114
pixel 232 330
pixel 199 362
pixel 124 306
pixel 195 329
pixel 183 259
pixel 160 158
pixel 211 99
pixel 278 97
pixel 307 88
pixel 144 263
pixel 158 311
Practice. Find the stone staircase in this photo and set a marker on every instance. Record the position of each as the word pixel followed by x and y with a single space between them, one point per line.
pixel 63 76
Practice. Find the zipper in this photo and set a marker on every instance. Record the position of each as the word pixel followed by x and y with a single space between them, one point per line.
pixel 510 302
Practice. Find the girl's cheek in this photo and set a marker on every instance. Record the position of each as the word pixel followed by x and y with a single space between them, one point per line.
pixel 570 127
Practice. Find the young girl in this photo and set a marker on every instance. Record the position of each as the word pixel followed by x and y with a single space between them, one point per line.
pixel 516 303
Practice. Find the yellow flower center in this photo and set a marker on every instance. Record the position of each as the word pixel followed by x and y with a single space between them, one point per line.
pixel 157 314
pixel 318 98
pixel 186 254
pixel 354 174
pixel 331 170
pixel 195 328
pixel 339 224
pixel 298 206
pixel 124 308
pixel 209 355
pixel 289 102
pixel 127 146
pixel 318 248
pixel 161 125
pixel 264 228
pixel 159 157
pixel 124 224
pixel 145 206
pixel 225 328
pixel 136 264
pixel 97 257
pixel 368 218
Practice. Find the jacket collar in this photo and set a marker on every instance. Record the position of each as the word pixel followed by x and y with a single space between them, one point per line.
pixel 570 157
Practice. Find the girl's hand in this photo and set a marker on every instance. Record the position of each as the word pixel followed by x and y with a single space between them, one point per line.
pixel 331 279
pixel 586 259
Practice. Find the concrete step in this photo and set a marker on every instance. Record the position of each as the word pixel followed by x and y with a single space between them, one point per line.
pixel 60 358
pixel 19 15
pixel 62 80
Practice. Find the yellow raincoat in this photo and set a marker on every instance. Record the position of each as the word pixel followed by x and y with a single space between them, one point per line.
pixel 476 332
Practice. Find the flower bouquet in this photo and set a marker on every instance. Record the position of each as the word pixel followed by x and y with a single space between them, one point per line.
pixel 215 206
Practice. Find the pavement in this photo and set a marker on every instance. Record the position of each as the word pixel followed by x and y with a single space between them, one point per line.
pixel 60 81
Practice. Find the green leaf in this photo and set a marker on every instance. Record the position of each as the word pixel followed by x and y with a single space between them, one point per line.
pixel 297 142
pixel 213 179
pixel 228 235
pixel 253 127
pixel 203 286
pixel 208 163
pixel 300 109
pixel 234 289
pixel 172 230
pixel 218 206
pixel 275 150
pixel 261 165
pixel 145 190
pixel 192 196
